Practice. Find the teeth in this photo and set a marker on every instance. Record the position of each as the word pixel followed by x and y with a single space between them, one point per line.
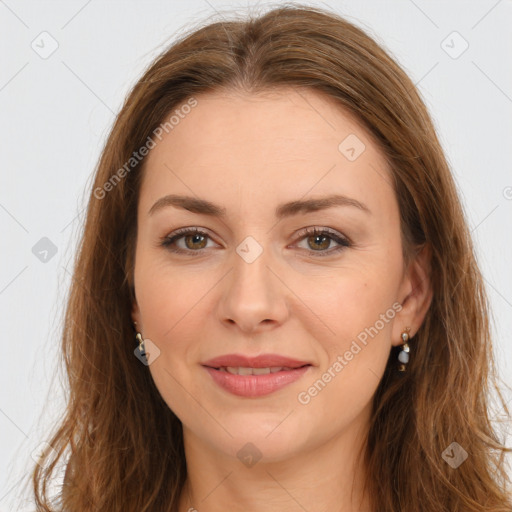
pixel 260 371
pixel 253 371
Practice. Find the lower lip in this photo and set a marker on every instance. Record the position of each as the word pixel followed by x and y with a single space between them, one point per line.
pixel 255 385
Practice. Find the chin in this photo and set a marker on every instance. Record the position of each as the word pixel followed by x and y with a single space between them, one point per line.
pixel 257 444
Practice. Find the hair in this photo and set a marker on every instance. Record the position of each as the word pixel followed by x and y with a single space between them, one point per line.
pixel 121 445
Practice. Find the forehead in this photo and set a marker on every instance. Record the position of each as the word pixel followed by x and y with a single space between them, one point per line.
pixel 273 120
pixel 282 142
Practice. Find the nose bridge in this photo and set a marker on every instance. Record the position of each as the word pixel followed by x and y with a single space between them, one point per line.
pixel 253 294
pixel 251 266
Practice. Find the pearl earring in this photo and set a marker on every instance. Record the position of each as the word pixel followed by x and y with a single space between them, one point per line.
pixel 142 349
pixel 403 356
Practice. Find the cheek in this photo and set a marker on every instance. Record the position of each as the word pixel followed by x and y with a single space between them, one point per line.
pixel 173 303
pixel 355 350
pixel 356 316
pixel 348 302
pixel 167 295
pixel 170 305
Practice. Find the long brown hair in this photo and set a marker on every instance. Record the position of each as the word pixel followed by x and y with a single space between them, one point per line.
pixel 122 445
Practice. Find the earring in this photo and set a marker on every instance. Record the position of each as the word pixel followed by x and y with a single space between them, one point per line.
pixel 403 356
pixel 142 349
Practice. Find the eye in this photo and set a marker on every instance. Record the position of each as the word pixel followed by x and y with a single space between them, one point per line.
pixel 319 241
pixel 186 240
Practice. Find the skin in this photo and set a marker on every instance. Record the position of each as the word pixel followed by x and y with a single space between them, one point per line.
pixel 250 153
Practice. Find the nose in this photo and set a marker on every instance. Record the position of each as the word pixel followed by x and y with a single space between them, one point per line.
pixel 254 297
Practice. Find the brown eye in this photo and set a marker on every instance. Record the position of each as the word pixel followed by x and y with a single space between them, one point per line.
pixel 319 242
pixel 187 240
pixel 195 241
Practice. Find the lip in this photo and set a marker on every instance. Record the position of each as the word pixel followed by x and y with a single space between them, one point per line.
pixel 261 361
pixel 256 385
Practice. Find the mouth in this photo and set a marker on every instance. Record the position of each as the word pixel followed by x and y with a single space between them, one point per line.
pixel 250 382
pixel 259 362
pixel 245 370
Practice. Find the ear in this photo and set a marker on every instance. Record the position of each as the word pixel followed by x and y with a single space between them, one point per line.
pixel 136 316
pixel 415 295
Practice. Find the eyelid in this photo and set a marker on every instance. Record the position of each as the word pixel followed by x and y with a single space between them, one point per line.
pixel 189 230
pixel 311 230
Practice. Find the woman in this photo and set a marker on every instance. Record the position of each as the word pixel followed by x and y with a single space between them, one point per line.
pixel 275 304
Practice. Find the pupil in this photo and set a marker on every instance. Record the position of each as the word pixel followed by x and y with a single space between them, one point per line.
pixel 316 239
pixel 195 239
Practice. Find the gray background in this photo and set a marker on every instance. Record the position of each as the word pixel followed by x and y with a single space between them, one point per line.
pixel 56 111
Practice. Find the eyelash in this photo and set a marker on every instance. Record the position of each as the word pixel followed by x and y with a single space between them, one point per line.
pixel 343 242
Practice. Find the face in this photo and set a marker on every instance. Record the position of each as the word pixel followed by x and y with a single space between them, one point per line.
pixel 253 271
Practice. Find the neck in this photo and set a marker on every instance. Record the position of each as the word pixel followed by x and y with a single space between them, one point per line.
pixel 327 477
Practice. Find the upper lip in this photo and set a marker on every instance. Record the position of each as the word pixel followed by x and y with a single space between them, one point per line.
pixel 261 361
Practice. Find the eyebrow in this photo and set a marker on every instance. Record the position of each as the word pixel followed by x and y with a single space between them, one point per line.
pixel 204 207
